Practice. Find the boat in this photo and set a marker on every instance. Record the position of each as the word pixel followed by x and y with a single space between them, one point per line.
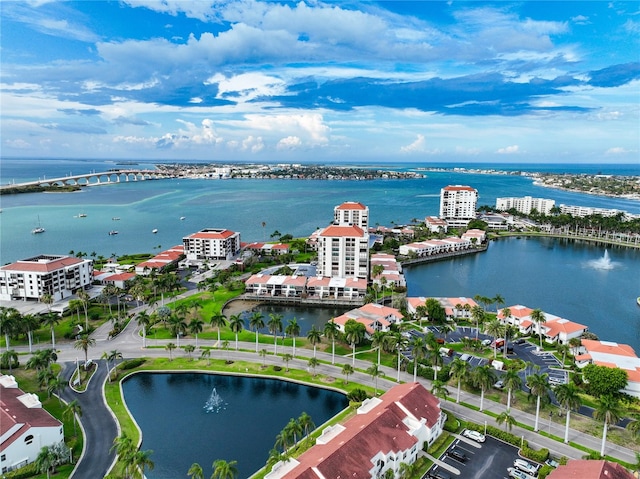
pixel 638 300
pixel 115 218
pixel 182 218
pixel 38 229
pixel 82 215
pixel 154 231
pixel 113 232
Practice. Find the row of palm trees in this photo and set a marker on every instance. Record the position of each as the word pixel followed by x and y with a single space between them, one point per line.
pixel 134 461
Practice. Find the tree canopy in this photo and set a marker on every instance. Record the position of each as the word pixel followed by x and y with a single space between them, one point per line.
pixel 603 380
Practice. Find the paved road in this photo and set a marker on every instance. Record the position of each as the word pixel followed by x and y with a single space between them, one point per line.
pixel 100 434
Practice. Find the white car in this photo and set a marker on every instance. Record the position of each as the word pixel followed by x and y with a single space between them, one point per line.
pixel 475 435
pixel 526 466
pixel 486 342
pixel 516 474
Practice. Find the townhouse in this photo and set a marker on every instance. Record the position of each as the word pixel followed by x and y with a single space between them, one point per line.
pixel 374 316
pixel 455 308
pixel 554 329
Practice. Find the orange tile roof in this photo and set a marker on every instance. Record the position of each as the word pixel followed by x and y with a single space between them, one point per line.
pixel 351 205
pixel 458 188
pixel 588 469
pixel 554 328
pixel 342 230
pixel 213 234
pixel 45 267
pixel 607 347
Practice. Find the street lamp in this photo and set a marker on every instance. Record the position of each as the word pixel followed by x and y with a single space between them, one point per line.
pixel 485 428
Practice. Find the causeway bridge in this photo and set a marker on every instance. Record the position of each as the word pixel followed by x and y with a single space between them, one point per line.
pixel 94 179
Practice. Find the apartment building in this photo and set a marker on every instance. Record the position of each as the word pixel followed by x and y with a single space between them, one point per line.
pixel 458 204
pixel 57 275
pixel 211 244
pixel 525 204
pixel 352 213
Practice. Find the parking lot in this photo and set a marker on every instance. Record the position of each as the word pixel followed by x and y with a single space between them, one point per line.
pixel 487 460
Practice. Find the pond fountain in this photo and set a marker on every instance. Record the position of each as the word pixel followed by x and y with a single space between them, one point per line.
pixel 603 263
pixel 214 403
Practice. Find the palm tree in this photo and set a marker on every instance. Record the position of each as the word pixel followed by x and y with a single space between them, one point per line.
pixel 178 326
pixel 56 386
pixel 347 370
pixel 74 411
pixel 483 378
pixel 51 319
pixel 331 332
pixel 439 389
pixel 539 387
pixel 538 317
pixel 9 323
pixel 568 396
pixel 459 371
pixel 608 411
pixel 189 348
pixel 218 320
pixel 286 358
pixel 236 323
pixel 315 337
pixel 144 320
pixel 10 359
pixel 498 301
pixel 263 353
pixel 377 340
pixel 478 316
pixel 293 429
pixel 196 325
pixel 48 300
pixel 313 363
pixel 84 299
pixel 507 419
pixel 275 327
pixel 141 461
pixel 195 471
pixel 375 372
pixel 511 381
pixel 206 353
pixel 419 350
pixel 398 343
pixel 495 329
pixel 30 322
pixel 256 322
pixel 84 343
pixel 46 460
pixel 170 347
pixel 224 470
pixel 354 333
pixel 125 450
pixel 306 423
pixel 293 330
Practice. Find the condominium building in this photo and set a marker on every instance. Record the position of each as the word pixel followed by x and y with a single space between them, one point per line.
pixel 384 433
pixel 343 247
pixel 458 204
pixel 56 275
pixel 352 213
pixel 211 244
pixel 525 204
pixel 582 211
pixel 25 427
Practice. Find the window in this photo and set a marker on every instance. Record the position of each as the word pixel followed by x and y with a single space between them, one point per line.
pixel 28 439
pixel 3 458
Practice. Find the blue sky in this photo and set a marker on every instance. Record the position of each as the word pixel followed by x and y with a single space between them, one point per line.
pixel 417 81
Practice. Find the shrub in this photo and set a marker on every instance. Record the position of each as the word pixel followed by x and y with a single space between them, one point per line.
pixel 537 456
pixel 544 471
pixel 29 470
pixel 131 363
pixel 277 368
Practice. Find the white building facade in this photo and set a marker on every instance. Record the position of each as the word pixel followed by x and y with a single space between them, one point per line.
pixel 56 275
pixel 458 204
pixel 25 426
pixel 525 204
pixel 211 244
pixel 352 213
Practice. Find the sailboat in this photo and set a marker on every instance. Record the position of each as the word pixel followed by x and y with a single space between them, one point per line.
pixel 38 229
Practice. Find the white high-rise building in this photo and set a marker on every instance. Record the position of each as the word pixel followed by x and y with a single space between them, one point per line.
pixel 211 244
pixel 343 247
pixel 57 275
pixel 458 203
pixel 525 204
pixel 352 213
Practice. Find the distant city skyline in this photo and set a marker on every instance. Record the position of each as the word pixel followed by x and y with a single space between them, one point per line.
pixel 415 81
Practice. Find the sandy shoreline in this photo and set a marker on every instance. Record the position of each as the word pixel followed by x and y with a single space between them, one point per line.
pixel 238 306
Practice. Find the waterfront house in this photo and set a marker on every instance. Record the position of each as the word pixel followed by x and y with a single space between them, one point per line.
pixel 391 273
pixel 211 244
pixel 435 224
pixel 276 285
pixel 161 261
pixel 267 248
pixel 554 329
pixel 336 288
pixel 374 316
pixel 612 355
pixel 422 249
pixel 119 280
pixel 386 432
pixel 25 427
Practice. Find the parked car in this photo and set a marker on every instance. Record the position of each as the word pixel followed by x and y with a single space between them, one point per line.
pixel 457 454
pixel 519 341
pixel 486 342
pixel 516 474
pixel 439 473
pixel 499 385
pixel 526 466
pixel 551 462
pixel 475 435
pixel 465 357
pixel 446 352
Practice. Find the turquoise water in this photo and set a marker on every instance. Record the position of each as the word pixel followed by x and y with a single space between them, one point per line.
pixel 169 410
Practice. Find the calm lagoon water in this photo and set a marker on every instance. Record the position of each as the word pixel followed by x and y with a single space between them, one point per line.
pixel 169 410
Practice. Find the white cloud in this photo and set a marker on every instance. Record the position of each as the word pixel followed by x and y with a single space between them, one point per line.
pixel 289 143
pixel 309 126
pixel 509 150
pixel 616 150
pixel 417 146
pixel 18 144
pixel 246 86
pixel 253 144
